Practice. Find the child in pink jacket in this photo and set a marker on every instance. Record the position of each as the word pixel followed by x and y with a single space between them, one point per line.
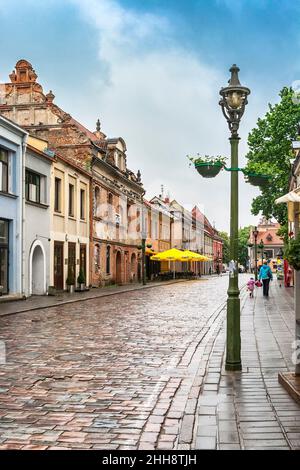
pixel 250 286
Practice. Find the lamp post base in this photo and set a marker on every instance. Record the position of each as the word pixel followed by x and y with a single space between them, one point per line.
pixel 236 366
pixel 233 351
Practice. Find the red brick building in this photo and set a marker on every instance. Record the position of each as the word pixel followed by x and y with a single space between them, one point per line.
pixel 115 191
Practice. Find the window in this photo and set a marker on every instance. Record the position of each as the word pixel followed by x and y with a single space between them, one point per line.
pixel 108 260
pixel 97 202
pixel 110 206
pixel 71 200
pixel 57 196
pixel 3 232
pixel 32 187
pixel 4 255
pixel 82 204
pixel 119 160
pixel 97 258
pixel 3 170
pixel 155 229
pixel 268 254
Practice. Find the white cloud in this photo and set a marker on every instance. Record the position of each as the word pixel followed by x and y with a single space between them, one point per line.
pixel 162 100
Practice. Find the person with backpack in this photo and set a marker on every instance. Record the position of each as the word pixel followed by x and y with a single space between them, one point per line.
pixel 265 275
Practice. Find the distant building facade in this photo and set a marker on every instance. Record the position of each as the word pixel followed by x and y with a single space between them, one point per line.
pixel 272 243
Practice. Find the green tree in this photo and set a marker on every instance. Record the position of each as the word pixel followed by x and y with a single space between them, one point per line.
pixel 270 153
pixel 225 239
pixel 243 245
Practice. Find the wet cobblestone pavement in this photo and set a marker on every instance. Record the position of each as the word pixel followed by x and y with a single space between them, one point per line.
pixel 143 370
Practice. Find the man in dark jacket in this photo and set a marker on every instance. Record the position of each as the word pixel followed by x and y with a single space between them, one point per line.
pixel 265 275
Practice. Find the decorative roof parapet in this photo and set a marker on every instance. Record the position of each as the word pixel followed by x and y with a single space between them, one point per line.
pixel 23 73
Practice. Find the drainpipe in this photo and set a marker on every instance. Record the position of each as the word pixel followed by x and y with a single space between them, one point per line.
pixel 22 228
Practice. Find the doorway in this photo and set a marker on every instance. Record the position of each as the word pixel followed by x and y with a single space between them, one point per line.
pixel 58 265
pixel 133 273
pixel 118 268
pixel 72 261
pixel 83 260
pixel 37 269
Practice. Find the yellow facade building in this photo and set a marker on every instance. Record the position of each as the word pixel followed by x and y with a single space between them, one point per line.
pixel 69 227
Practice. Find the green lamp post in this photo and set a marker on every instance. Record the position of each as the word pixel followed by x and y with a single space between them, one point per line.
pixel 233 102
pixel 261 247
pixel 255 235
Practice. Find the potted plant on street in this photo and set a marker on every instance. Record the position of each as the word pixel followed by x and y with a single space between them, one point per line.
pixel 292 253
pixel 208 166
pixel 51 290
pixel 70 281
pixel 81 280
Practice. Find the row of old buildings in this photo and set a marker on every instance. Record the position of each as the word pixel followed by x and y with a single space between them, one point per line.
pixel 70 209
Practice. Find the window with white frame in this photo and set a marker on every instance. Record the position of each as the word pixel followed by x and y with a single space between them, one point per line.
pixel 82 204
pixel 33 187
pixel 4 170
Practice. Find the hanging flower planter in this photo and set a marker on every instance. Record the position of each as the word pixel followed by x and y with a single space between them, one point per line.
pixel 207 165
pixel 208 169
pixel 257 179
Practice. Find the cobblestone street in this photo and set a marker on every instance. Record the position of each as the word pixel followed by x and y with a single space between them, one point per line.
pixel 144 369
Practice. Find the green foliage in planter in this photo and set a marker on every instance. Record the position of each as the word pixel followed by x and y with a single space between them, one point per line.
pixel 81 277
pixel 292 253
pixel 70 281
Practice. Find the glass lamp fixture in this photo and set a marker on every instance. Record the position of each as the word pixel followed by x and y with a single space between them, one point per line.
pixel 234 100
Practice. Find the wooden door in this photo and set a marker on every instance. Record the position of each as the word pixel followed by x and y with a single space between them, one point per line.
pixel 59 265
pixel 83 259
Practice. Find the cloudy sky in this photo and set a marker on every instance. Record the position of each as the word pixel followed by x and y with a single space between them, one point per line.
pixel 151 71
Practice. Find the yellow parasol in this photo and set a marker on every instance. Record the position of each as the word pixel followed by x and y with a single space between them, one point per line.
pixel 169 255
pixel 188 255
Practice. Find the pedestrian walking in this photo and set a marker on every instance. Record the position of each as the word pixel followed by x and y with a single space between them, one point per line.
pixel 265 275
pixel 250 286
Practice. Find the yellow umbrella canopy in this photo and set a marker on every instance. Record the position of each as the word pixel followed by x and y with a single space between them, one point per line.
pixel 169 255
pixel 192 256
pixel 188 255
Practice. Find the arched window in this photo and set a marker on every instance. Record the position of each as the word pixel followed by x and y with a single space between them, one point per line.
pixel 108 260
pixel 110 201
pixel 97 202
pixel 97 258
pixel 120 215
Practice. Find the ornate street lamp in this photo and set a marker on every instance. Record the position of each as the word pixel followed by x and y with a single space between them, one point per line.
pixel 233 102
pixel 255 235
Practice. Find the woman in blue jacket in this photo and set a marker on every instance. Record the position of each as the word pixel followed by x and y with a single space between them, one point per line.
pixel 265 275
